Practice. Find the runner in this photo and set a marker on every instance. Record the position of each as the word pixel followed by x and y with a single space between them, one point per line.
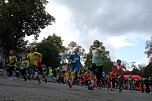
pixel 130 81
pixel 12 64
pixel 40 71
pixel 33 61
pixel 113 77
pixel 119 72
pixel 97 64
pixel 75 65
pixel 24 66
pixel 108 81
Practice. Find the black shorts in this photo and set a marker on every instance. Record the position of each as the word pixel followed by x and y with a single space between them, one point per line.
pixel 97 70
pixel 40 71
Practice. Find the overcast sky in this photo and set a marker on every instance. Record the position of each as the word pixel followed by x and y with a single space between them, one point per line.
pixel 122 25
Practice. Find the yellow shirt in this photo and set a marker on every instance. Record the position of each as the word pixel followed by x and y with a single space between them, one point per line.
pixel 33 58
pixel 12 61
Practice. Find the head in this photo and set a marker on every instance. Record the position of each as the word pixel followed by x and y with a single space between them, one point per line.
pixel 76 50
pixel 33 48
pixel 12 52
pixel 118 61
pixel 96 43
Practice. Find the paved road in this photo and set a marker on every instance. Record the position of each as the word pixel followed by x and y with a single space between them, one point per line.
pixel 19 90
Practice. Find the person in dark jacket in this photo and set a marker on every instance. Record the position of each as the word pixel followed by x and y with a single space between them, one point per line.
pixel 150 85
pixel 147 85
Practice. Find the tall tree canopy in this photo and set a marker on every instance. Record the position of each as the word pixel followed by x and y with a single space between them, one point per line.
pixel 149 48
pixel 50 49
pixel 19 18
pixel 148 69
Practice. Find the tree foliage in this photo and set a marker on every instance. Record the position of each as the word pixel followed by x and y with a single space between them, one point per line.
pixel 149 48
pixel 147 70
pixel 50 49
pixel 19 18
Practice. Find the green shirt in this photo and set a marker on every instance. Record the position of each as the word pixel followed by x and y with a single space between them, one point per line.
pixel 97 57
pixel 130 80
pixel 50 72
pixel 24 64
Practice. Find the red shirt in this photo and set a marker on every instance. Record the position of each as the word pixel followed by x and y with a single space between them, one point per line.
pixel 39 65
pixel 119 69
pixel 86 77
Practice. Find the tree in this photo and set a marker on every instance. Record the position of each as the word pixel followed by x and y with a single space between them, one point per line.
pixel 19 18
pixel 148 69
pixel 50 49
pixel 149 48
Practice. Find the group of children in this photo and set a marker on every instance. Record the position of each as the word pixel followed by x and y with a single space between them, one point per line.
pixel 30 66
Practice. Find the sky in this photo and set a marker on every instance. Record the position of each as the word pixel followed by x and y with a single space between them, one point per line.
pixel 122 25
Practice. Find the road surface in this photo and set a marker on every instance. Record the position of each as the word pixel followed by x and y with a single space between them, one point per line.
pixel 19 90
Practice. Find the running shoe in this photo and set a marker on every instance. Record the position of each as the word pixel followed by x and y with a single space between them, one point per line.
pixel 90 86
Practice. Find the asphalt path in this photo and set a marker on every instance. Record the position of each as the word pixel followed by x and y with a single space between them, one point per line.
pixel 20 90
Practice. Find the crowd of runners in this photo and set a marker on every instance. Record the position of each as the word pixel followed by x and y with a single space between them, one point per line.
pixel 30 67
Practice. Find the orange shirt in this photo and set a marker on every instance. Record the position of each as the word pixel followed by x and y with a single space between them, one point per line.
pixel 113 75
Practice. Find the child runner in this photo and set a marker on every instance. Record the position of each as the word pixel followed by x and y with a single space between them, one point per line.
pixel 24 65
pixel 12 64
pixel 97 64
pixel 75 65
pixel 33 57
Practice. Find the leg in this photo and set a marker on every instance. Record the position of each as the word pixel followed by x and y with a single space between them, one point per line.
pixel 73 76
pixel 99 76
pixel 113 83
pixel 23 72
pixel 92 71
pixel 10 71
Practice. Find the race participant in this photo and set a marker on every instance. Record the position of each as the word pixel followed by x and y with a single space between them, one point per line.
pixel 24 66
pixel 119 72
pixel 113 77
pixel 130 82
pixel 12 64
pixel 97 64
pixel 33 57
pixel 75 65
pixel 40 70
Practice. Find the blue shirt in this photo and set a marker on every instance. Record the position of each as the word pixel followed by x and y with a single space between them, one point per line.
pixel 76 58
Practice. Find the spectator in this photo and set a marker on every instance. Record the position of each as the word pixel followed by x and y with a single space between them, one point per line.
pixel 147 85
pixel 150 84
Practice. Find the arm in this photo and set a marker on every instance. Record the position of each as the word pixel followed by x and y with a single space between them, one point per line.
pixel 40 57
pixel 124 67
pixel 99 49
pixel 114 67
pixel 71 59
pixel 28 56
